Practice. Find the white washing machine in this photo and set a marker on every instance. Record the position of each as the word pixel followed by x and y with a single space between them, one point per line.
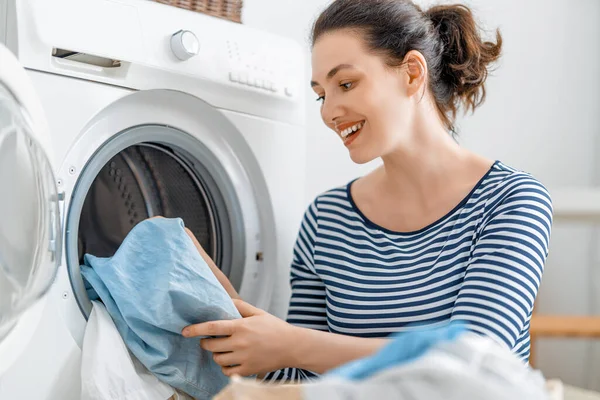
pixel 155 110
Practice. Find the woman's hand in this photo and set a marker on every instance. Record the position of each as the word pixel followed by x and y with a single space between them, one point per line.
pixel 257 344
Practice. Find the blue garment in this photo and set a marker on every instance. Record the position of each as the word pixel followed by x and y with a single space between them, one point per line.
pixel 403 348
pixel 156 284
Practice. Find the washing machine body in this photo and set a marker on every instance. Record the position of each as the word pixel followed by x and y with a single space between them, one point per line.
pixel 155 110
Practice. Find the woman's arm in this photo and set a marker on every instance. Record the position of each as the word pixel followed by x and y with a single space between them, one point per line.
pixel 321 351
pixel 260 342
pixel 218 273
pixel 503 277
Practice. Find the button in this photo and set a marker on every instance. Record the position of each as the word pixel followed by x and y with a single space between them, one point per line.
pixel 184 45
pixel 234 76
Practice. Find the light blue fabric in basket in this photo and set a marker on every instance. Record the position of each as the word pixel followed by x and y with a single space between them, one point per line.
pixel 156 284
pixel 403 348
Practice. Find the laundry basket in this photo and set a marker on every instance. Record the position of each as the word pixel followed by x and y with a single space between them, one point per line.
pixel 227 9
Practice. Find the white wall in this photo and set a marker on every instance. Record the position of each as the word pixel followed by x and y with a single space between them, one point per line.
pixel 542 115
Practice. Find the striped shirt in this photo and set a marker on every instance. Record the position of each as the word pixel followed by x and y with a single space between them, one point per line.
pixel 481 263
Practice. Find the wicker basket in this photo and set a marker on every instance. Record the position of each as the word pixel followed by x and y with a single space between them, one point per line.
pixel 227 9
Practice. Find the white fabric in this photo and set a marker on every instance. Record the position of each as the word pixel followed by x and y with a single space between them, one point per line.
pixel 471 367
pixel 108 371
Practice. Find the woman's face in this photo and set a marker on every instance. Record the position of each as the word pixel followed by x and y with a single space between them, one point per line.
pixel 365 102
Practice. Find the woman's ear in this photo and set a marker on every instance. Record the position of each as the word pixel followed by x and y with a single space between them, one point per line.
pixel 416 71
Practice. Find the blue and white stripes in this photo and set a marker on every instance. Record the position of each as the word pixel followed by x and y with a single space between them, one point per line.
pixel 481 263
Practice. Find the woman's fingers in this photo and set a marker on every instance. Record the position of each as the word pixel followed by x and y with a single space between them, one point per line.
pixel 217 345
pixel 226 359
pixel 245 309
pixel 212 328
pixel 236 370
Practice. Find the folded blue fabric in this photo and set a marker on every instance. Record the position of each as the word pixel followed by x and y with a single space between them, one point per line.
pixel 156 284
pixel 403 348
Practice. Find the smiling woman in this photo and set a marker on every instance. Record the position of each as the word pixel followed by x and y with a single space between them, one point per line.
pixel 436 234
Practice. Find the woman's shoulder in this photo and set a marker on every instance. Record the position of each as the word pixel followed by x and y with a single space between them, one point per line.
pixel 334 203
pixel 338 194
pixel 508 184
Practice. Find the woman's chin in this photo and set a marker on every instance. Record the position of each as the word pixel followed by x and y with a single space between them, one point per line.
pixel 361 157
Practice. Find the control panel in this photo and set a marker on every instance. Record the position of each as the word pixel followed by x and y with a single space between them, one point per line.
pixel 154 46
pixel 255 66
pixel 250 70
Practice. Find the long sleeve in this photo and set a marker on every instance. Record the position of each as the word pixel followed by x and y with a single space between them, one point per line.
pixel 307 304
pixel 507 261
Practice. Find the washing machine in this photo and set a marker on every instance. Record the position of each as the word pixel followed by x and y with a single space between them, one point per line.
pixel 155 110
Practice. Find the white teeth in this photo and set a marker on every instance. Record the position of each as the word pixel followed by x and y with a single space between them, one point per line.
pixel 353 128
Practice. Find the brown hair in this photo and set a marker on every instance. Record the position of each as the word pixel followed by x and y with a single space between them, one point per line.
pixel 446 35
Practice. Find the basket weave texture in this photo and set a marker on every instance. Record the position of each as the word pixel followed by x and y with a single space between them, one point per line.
pixel 227 9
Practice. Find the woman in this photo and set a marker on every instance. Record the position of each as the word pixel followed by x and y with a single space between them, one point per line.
pixel 437 233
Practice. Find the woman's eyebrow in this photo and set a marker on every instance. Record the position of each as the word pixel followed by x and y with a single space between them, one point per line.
pixel 332 73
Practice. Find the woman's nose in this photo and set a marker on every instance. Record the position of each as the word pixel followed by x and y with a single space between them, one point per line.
pixel 331 111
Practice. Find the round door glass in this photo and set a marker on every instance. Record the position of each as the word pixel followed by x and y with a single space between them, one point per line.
pixel 30 239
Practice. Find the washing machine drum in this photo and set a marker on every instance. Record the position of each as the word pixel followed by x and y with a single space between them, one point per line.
pixel 142 181
pixel 29 218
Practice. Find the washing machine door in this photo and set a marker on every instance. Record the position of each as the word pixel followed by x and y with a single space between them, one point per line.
pixel 29 214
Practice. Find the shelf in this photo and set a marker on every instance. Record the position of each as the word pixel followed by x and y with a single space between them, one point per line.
pixel 576 204
pixel 564 326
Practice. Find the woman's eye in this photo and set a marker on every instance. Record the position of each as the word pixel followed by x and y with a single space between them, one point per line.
pixel 346 86
pixel 321 99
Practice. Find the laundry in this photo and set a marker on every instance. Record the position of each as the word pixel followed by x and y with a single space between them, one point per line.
pixel 469 366
pixel 156 284
pixel 402 349
pixel 108 371
pixel 449 363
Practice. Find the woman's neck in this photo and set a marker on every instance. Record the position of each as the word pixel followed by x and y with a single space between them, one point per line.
pixel 425 163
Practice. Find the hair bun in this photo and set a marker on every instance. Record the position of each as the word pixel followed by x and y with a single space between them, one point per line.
pixel 465 56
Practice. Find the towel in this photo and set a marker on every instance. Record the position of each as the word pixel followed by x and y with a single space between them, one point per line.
pixel 156 284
